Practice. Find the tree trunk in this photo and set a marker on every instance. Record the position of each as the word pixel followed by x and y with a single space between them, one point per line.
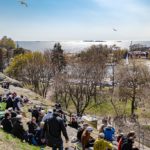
pixel 132 106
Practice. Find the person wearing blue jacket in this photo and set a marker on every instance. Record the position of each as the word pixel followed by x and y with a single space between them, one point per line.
pixel 109 133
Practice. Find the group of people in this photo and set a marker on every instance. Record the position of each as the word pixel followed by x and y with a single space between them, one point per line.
pixel 45 129
pixel 107 138
pixel 5 85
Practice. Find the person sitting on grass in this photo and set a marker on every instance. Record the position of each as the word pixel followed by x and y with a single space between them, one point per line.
pixel 9 101
pixel 32 126
pixel 101 144
pixel 18 129
pixel 38 135
pixel 73 122
pixel 6 123
pixel 13 113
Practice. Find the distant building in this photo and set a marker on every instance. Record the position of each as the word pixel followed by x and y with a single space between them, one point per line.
pixel 138 54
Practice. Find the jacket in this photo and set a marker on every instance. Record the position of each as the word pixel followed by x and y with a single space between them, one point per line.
pixel 32 127
pixel 109 133
pixel 52 129
pixel 18 130
pixel 127 145
pixel 101 144
pixel 7 125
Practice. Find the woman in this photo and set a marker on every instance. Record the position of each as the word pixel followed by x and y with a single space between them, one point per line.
pixel 86 140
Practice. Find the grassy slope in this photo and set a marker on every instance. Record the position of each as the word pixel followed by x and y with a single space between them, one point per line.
pixel 7 141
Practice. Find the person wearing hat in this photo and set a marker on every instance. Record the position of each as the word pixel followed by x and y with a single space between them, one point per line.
pixel 18 129
pixel 13 113
pixel 48 115
pixel 80 131
pixel 101 144
pixel 109 132
pixel 86 139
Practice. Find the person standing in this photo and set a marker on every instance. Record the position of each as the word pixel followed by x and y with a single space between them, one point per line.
pixel 52 132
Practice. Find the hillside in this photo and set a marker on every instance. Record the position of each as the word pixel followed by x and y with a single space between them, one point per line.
pixel 7 141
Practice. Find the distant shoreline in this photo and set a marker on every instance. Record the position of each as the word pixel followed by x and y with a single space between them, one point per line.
pixel 76 46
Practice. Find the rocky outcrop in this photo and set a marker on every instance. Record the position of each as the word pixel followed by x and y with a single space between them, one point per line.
pixel 4 78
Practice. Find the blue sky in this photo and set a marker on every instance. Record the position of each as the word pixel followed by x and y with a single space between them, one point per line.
pixel 75 19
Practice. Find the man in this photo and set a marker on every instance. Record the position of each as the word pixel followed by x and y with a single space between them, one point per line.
pixel 18 129
pixel 13 113
pixel 16 104
pixel 126 143
pixel 9 102
pixel 6 123
pixel 32 126
pixel 52 129
pixel 35 112
pixel 101 144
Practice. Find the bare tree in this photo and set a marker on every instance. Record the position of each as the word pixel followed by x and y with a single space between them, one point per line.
pixel 133 79
pixel 84 75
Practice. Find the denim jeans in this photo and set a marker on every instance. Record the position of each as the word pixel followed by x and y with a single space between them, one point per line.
pixel 58 148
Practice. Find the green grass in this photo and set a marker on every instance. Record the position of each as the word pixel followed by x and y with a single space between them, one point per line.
pixel 12 143
pixel 102 109
pixel 106 108
pixel 2 106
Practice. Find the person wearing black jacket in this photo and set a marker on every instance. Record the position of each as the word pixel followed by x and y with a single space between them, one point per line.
pixel 52 131
pixel 6 123
pixel 32 125
pixel 128 144
pixel 9 102
pixel 18 129
pixel 13 113
pixel 38 135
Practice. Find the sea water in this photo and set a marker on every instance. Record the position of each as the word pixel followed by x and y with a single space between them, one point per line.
pixel 75 46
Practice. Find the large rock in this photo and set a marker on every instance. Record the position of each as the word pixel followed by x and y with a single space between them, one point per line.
pixel 4 78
